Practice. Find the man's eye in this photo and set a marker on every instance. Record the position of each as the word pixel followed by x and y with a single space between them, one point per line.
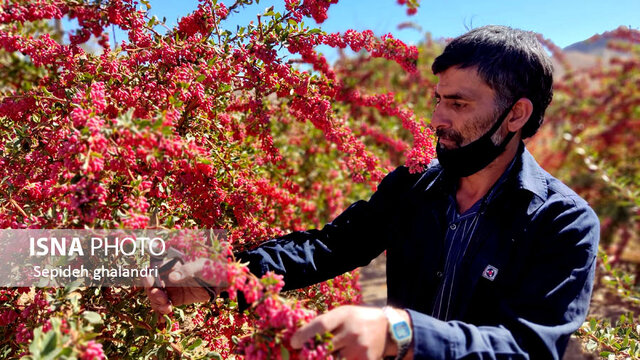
pixel 457 105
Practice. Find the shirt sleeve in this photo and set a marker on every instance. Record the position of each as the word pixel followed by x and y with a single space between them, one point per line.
pixel 539 313
pixel 353 239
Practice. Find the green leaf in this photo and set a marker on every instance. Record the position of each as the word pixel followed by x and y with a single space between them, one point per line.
pixel 35 346
pixel 7 351
pixel 214 355
pixel 71 287
pixel 152 21
pixel 284 352
pixel 92 317
pixel 195 344
pixel 56 323
pixel 50 342
pixel 44 282
pixel 168 320
pixel 65 352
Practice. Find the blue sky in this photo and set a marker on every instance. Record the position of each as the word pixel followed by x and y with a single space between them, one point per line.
pixel 562 21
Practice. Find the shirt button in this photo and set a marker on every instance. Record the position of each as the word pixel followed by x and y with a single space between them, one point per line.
pixel 439 274
pixel 452 226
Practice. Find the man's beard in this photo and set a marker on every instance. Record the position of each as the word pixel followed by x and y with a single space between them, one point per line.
pixel 456 136
pixel 450 135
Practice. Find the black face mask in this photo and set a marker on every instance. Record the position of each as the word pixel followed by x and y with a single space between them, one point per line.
pixel 475 156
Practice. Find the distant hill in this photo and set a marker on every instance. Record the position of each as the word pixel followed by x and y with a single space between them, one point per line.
pixel 596 46
pixel 588 52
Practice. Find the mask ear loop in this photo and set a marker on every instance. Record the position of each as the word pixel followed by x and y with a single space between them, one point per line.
pixel 501 119
pixel 497 125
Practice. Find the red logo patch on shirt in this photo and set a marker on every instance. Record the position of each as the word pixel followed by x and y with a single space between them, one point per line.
pixel 490 272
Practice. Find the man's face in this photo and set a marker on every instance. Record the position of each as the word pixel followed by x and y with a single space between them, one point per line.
pixel 466 108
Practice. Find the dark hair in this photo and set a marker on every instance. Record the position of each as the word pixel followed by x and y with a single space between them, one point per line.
pixel 511 61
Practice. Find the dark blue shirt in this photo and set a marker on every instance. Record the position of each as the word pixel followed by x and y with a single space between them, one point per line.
pixel 521 289
pixel 460 231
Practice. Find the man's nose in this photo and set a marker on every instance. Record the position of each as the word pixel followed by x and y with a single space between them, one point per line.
pixel 439 120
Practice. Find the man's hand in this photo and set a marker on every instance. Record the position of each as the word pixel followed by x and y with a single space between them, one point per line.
pixel 180 287
pixel 359 332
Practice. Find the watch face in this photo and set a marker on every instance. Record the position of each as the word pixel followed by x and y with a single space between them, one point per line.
pixel 401 330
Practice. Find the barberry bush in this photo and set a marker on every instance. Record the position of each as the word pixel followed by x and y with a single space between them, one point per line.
pixel 251 131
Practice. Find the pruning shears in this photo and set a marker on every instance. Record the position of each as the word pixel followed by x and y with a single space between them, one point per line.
pixel 165 262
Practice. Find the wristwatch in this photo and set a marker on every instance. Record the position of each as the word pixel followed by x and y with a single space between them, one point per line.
pixel 399 330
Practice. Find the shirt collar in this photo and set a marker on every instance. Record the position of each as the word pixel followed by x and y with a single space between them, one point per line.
pixel 530 177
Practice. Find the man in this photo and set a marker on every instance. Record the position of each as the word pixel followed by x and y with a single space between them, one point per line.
pixel 488 256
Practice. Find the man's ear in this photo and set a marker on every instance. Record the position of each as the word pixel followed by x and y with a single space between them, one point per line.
pixel 520 114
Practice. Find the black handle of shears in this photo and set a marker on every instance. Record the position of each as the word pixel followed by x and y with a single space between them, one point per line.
pixel 155 262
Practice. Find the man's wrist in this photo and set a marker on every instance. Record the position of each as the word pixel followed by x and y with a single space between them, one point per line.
pixel 398 324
